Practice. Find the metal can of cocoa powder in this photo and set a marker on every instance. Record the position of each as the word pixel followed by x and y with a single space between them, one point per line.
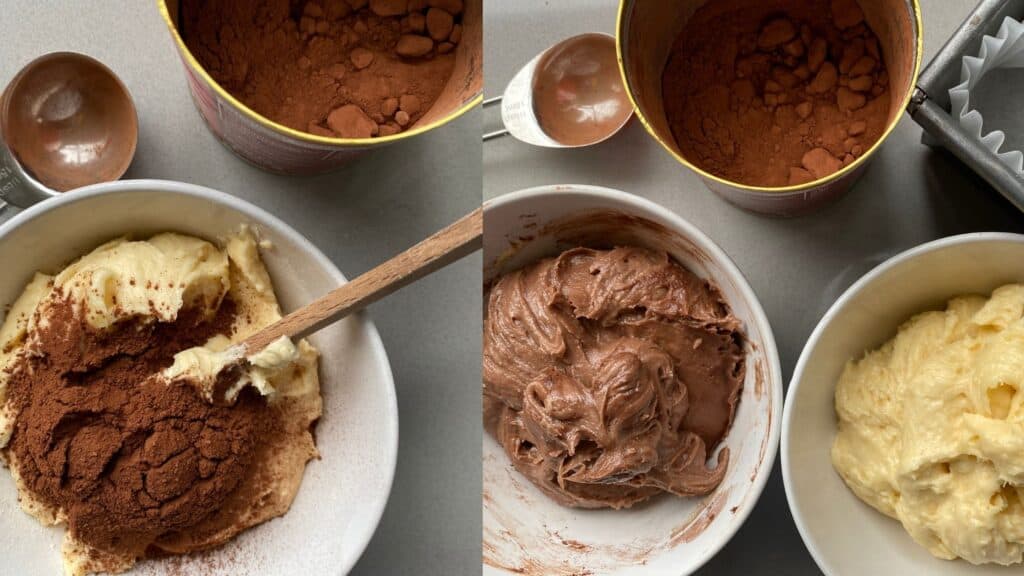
pixel 278 148
pixel 646 33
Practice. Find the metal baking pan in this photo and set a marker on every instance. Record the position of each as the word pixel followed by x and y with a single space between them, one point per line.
pixel 930 105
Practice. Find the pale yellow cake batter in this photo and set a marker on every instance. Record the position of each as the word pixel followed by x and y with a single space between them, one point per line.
pixel 931 428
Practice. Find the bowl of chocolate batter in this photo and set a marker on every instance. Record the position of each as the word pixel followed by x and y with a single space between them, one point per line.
pixel 631 387
pixel 778 104
pixel 302 86
pixel 113 469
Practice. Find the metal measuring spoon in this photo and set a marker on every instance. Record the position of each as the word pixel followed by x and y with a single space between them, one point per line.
pixel 570 95
pixel 67 121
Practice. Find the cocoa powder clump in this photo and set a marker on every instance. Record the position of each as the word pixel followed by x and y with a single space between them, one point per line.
pixel 776 93
pixel 327 67
pixel 130 459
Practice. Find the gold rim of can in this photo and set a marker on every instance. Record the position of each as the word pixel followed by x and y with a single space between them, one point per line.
pixel 298 134
pixel 835 176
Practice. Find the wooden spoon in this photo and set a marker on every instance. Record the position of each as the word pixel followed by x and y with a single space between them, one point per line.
pixel 457 240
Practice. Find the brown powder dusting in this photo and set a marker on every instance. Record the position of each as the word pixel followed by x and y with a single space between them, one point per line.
pixel 331 67
pixel 131 460
pixel 776 93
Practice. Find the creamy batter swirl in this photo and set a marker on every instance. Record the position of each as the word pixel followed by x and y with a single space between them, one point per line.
pixel 610 375
pixel 931 428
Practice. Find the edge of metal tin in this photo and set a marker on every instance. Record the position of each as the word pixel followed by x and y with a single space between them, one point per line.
pixel 291 132
pixel 843 172
pixel 930 106
pixel 946 131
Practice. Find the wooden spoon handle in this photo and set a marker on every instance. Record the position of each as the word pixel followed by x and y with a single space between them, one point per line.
pixel 457 240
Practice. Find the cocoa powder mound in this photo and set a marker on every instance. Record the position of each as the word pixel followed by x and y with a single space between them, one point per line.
pixel 129 459
pixel 776 93
pixel 336 68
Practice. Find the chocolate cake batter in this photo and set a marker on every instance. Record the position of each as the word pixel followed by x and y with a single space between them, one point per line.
pixel 776 93
pixel 336 68
pixel 610 375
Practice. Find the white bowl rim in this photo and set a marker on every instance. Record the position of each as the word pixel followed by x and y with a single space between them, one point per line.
pixel 815 337
pixel 258 215
pixel 718 255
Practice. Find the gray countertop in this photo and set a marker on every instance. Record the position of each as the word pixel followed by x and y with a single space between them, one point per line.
pixel 359 216
pixel 910 194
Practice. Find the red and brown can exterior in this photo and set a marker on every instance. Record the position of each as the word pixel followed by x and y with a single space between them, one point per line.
pixel 646 31
pixel 278 148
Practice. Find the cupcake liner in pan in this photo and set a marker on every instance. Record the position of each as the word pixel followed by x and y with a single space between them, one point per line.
pixel 1004 50
pixel 932 108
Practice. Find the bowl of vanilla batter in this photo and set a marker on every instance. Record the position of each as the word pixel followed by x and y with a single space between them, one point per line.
pixel 902 434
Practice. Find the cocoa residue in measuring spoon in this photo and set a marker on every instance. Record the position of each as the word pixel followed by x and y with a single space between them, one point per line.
pixel 776 93
pixel 578 95
pixel 336 68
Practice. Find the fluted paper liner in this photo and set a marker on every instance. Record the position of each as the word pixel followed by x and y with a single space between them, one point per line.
pixel 1005 50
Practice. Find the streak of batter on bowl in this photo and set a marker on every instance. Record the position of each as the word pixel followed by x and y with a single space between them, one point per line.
pixel 559 555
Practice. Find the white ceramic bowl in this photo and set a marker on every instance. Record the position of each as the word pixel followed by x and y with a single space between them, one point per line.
pixel 343 495
pixel 845 536
pixel 525 531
